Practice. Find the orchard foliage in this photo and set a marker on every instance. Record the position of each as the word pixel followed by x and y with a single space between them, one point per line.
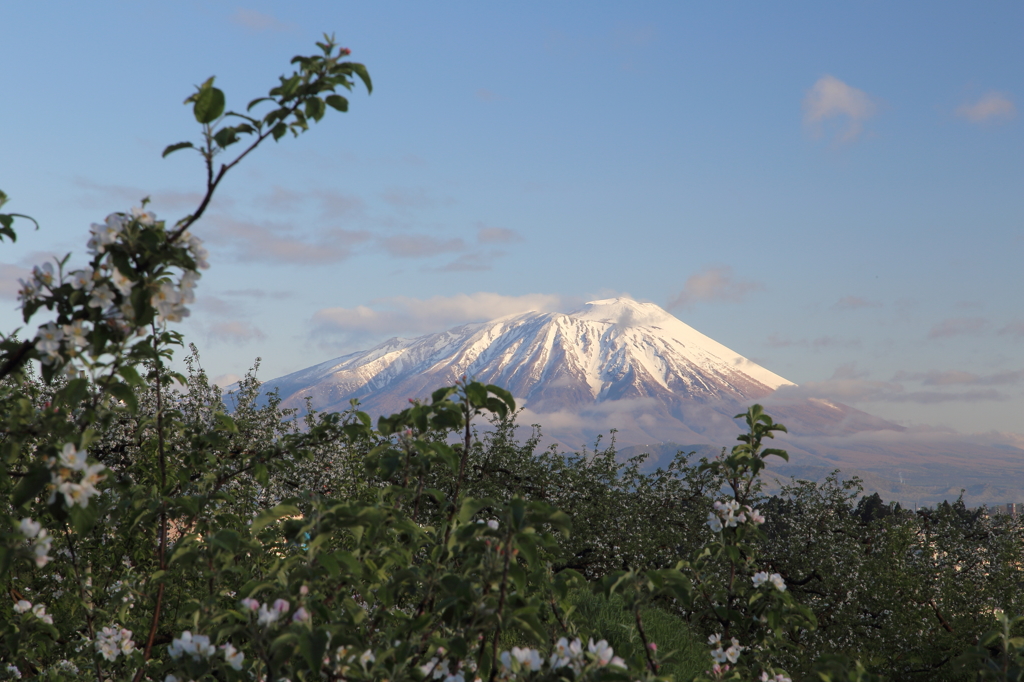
pixel 150 531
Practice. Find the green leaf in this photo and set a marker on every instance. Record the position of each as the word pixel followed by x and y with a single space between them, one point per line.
pixel 225 422
pixel 171 148
pixel 364 75
pixel 315 108
pixel 338 102
pixel 268 516
pixel 31 485
pixel 125 394
pixel 209 103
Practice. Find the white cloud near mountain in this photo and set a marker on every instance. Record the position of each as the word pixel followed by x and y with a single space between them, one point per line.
pixel 993 106
pixel 831 98
pixel 402 314
pixel 850 385
pixel 713 285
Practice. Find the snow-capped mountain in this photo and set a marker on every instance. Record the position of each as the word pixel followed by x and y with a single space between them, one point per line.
pixel 615 363
pixel 607 350
pixel 619 364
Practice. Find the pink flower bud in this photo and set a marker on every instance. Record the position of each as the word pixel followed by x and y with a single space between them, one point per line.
pixel 281 605
pixel 250 604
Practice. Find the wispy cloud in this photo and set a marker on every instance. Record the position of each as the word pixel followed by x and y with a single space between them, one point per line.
pixel 819 343
pixel 712 285
pixel 1015 328
pixel 854 303
pixel 333 205
pixel 401 314
pixel 258 22
pixel 409 197
pixel 955 326
pixel 496 235
pixel 268 242
pixel 420 245
pixel 105 197
pixel 851 385
pixel 9 276
pixel 960 378
pixel 831 98
pixel 471 262
pixel 993 106
pixel 234 331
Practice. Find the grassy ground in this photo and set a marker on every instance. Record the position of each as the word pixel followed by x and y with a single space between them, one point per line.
pixel 681 652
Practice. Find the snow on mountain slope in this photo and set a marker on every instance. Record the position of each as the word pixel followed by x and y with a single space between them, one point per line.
pixel 610 350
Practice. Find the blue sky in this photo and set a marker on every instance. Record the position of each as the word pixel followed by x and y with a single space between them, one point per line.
pixel 831 189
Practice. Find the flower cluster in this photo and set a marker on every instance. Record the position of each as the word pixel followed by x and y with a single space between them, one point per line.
pixel 196 646
pixel 53 341
pixel 39 610
pixel 761 577
pixel 344 659
pixel 113 641
pixel 71 463
pixel 41 540
pixel 440 668
pixel 721 654
pixel 729 515
pixel 268 614
pixel 779 677
pixel 170 299
pixel 43 276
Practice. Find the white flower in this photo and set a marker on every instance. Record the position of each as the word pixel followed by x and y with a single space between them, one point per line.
pixel 41 548
pixel 366 658
pixel 756 518
pixel 22 606
pixel 603 652
pixel 30 528
pixel 72 458
pixel 144 217
pixel 714 639
pixel 528 658
pixel 48 338
pixel 760 578
pixel 196 646
pixel 505 658
pixel 105 234
pixel 28 290
pixel 187 286
pixel 102 297
pixel 714 522
pixel 83 279
pixel 733 653
pixel 113 641
pixel 122 282
pixel 75 333
pixel 233 656
pixel 719 655
pixel 267 615
pixel 13 670
pixel 39 611
pixel 778 582
pixel 43 274
pixel 492 524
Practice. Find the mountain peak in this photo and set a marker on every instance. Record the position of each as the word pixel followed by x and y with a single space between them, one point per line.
pixel 623 312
